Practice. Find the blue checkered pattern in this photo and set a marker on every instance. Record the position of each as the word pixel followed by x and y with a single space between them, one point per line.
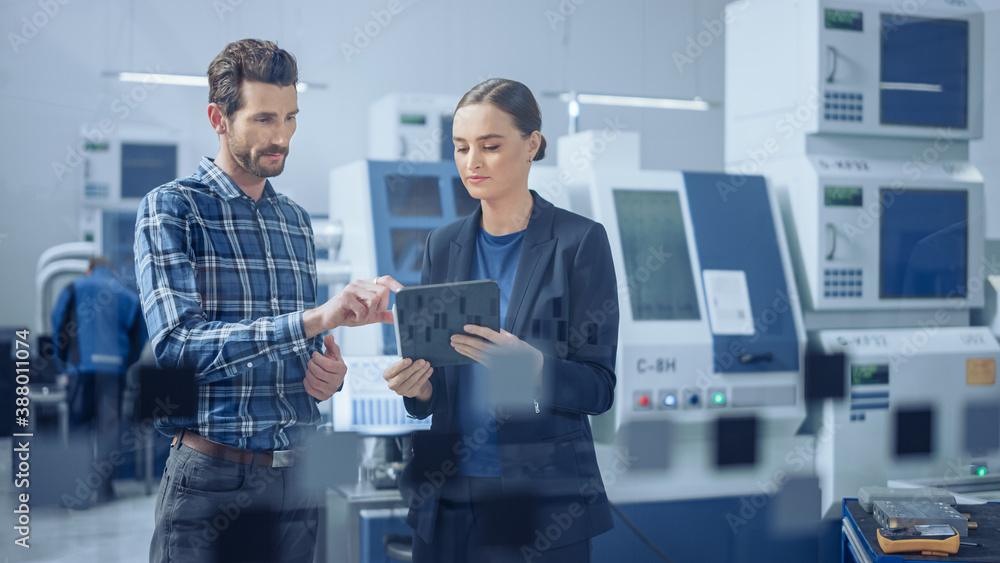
pixel 223 282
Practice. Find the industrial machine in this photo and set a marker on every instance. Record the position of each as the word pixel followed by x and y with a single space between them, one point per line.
pixel 120 167
pixel 863 68
pixel 412 127
pixel 709 325
pixel 861 121
pixel 921 404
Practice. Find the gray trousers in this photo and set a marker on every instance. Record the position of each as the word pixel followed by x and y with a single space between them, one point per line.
pixel 210 510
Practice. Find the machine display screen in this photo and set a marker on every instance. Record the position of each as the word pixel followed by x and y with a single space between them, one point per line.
pixel 925 72
pixel 145 167
pixel 849 20
pixel 657 262
pixel 842 197
pixel 408 248
pixel 413 196
pixel 923 244
pixel 870 374
pixel 412 119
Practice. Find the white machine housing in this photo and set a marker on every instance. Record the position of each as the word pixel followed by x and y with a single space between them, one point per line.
pixel 675 361
pixel 120 167
pixel 413 127
pixel 840 242
pixel 684 347
pixel 794 71
pixel 946 369
pixel 101 182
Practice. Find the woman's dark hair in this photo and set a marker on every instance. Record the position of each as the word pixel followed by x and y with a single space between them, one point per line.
pixel 513 98
pixel 248 59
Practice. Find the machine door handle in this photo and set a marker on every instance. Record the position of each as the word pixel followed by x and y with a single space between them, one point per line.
pixel 831 241
pixel 831 58
pixel 749 358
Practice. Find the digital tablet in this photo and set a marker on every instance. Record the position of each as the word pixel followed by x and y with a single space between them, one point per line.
pixel 427 315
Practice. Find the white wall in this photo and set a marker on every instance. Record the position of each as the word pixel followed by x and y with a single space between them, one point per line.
pixel 52 83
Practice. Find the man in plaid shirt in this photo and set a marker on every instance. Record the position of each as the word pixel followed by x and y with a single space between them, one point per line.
pixel 227 276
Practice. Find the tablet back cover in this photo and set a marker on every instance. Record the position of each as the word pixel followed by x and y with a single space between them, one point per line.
pixel 427 315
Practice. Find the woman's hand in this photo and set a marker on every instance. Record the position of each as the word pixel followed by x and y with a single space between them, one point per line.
pixel 480 349
pixel 410 379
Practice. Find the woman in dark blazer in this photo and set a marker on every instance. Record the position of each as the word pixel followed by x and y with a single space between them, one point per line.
pixel 516 481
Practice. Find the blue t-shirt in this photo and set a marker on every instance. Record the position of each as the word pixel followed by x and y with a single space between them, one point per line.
pixel 496 259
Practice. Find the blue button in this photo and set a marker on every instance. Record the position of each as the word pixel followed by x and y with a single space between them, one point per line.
pixel 693 399
pixel 826 116
pixel 860 96
pixel 826 294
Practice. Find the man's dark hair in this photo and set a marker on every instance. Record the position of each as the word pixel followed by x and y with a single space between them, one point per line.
pixel 96 261
pixel 248 59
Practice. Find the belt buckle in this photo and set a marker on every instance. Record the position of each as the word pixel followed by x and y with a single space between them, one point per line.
pixel 282 458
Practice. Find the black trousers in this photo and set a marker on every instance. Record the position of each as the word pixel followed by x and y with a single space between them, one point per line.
pixel 469 530
pixel 211 510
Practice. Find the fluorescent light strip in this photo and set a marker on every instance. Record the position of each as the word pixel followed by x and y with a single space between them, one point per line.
pixel 912 87
pixel 636 101
pixel 181 79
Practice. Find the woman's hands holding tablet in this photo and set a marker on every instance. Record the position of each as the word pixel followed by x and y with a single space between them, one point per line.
pixel 479 349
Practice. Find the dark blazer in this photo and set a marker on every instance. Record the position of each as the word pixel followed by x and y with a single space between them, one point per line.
pixel 564 302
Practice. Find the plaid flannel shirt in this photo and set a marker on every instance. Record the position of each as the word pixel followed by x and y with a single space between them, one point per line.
pixel 224 281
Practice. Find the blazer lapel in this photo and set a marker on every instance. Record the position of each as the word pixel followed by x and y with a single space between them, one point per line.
pixel 536 252
pixel 463 248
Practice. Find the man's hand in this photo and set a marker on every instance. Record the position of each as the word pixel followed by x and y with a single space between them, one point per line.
pixel 410 379
pixel 325 372
pixel 360 303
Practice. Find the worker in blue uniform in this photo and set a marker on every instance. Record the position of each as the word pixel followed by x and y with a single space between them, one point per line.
pixel 99 332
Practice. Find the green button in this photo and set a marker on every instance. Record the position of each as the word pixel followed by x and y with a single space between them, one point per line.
pixel 981 471
pixel 719 398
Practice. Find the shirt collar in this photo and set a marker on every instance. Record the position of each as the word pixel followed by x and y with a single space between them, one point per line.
pixel 220 182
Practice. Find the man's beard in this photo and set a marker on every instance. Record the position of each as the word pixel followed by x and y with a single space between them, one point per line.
pixel 249 159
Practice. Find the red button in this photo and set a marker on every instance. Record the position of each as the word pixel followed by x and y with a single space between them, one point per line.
pixel 643 401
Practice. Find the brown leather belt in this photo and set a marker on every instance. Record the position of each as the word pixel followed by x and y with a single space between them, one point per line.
pixel 278 458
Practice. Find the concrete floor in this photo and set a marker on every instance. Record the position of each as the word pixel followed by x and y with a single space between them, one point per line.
pixel 117 532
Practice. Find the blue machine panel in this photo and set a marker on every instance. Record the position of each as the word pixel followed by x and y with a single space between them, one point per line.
pixel 409 200
pixel 924 244
pixel 733 230
pixel 925 72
